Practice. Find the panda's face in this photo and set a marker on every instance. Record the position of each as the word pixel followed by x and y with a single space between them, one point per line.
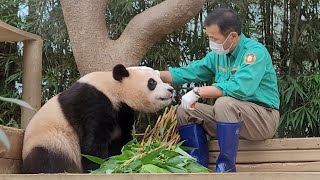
pixel 143 90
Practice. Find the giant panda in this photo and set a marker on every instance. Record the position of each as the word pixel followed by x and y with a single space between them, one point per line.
pixel 92 117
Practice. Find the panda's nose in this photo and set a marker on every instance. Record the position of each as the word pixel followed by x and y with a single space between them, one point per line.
pixel 170 89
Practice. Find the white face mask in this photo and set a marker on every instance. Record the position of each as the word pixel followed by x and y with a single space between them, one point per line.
pixel 218 48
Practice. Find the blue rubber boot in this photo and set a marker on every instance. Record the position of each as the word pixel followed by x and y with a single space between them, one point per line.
pixel 228 139
pixel 194 136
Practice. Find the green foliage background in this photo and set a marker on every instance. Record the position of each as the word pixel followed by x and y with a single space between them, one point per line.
pixel 289 29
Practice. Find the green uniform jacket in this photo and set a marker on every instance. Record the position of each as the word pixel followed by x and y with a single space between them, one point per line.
pixel 245 74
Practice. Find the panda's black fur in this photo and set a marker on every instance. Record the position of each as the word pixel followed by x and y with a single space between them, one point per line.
pixel 43 160
pixel 94 125
pixel 93 118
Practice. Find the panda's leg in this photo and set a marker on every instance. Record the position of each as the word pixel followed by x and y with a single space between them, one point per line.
pixel 126 121
pixel 103 147
pixel 98 140
pixel 42 160
pixel 98 149
pixel 95 142
pixel 116 146
pixel 100 144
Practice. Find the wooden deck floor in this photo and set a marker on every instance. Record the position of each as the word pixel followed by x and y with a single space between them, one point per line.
pixel 229 176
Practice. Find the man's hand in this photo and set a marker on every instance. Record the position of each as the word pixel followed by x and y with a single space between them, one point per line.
pixel 188 99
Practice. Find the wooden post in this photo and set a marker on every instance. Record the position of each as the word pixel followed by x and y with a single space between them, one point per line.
pixel 32 71
pixel 32 67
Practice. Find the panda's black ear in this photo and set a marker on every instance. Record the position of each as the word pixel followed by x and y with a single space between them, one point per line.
pixel 120 72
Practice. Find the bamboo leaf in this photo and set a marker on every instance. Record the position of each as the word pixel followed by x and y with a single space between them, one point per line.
pixel 301 119
pixel 94 159
pixel 110 164
pixel 309 119
pixel 150 168
pixel 135 164
pixel 288 95
pixel 161 131
pixel 109 171
pixel 183 153
pixel 298 88
pixel 103 170
pixel 296 118
pixel 186 148
pixel 17 101
pixel 150 156
pixel 125 155
pixel 176 160
pixel 196 168
pixel 170 154
pixel 175 169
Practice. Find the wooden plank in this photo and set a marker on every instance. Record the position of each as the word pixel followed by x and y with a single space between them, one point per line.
pixel 210 176
pixel 16 140
pixel 280 167
pixel 277 167
pixel 272 156
pixel 9 166
pixel 11 33
pixel 273 144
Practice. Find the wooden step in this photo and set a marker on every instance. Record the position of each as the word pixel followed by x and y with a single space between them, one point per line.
pixel 273 144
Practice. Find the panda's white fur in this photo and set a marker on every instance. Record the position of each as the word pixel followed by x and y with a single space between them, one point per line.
pixel 94 116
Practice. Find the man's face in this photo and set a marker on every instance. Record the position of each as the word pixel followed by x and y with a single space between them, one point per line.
pixel 214 34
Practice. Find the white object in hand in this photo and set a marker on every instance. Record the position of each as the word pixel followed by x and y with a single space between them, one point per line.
pixel 188 99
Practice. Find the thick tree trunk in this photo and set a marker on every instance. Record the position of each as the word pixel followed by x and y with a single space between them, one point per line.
pixel 92 48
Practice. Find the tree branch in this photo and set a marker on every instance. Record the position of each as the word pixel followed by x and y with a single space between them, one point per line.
pixel 92 48
pixel 145 29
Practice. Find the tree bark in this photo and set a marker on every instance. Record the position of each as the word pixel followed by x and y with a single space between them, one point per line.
pixel 95 51
pixel 284 39
pixel 294 39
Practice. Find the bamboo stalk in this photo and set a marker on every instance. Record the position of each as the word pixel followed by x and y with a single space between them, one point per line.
pixel 170 135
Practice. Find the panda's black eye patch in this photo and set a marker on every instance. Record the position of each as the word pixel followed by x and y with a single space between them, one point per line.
pixel 152 84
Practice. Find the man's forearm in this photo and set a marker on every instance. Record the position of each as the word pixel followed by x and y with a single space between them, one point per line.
pixel 165 76
pixel 210 92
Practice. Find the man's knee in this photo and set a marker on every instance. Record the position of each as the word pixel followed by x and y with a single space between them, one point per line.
pixel 182 115
pixel 226 110
pixel 224 104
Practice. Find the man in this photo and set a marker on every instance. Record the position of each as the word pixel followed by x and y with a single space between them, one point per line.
pixel 245 90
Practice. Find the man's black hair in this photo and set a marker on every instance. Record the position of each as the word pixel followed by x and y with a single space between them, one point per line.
pixel 226 19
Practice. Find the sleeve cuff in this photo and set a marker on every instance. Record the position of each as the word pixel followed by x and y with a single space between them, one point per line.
pixel 175 76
